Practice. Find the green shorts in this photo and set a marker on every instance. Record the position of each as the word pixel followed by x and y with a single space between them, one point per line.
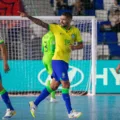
pixel 48 65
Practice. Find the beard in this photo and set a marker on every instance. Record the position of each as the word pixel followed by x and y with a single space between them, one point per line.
pixel 63 25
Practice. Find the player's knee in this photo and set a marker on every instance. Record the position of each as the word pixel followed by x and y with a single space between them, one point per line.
pixel 54 84
pixel 66 85
pixel 49 88
pixel 54 87
pixel 1 87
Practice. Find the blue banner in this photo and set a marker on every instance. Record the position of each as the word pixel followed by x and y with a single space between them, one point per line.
pixel 30 75
pixel 107 80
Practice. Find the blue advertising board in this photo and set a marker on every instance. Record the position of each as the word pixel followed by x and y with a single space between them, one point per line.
pixel 30 75
pixel 107 80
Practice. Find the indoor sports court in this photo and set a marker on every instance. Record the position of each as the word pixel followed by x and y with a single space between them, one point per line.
pixel 94 68
pixel 100 107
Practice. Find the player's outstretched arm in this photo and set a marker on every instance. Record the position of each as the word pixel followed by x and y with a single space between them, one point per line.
pixel 35 20
pixel 4 55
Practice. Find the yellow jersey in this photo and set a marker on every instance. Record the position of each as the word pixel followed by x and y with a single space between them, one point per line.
pixel 64 39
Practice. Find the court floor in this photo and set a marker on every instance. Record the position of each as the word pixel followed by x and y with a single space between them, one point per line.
pixel 100 107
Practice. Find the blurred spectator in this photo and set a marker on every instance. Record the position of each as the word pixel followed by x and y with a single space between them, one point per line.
pixel 78 8
pixel 114 7
pixel 17 35
pixel 105 27
pixel 11 7
pixel 52 2
pixel 60 4
pixel 114 18
pixel 88 4
pixel 71 2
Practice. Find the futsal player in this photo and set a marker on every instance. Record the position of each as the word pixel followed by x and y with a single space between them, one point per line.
pixel 4 94
pixel 65 36
pixel 48 48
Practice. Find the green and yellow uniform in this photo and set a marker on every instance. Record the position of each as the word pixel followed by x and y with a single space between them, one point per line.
pixel 64 39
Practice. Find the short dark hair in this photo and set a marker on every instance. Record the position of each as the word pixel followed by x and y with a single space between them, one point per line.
pixel 67 14
pixel 117 10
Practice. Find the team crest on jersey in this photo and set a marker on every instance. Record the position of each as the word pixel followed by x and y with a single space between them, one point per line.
pixel 63 75
pixel 73 36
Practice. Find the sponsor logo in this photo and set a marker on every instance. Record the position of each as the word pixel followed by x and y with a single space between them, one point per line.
pixel 76 76
pixel 73 36
pixel 63 75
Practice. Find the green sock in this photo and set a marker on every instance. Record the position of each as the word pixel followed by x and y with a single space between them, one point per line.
pixel 53 94
pixel 48 83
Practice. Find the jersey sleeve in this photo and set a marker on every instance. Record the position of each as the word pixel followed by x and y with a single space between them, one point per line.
pixel 78 36
pixel 52 27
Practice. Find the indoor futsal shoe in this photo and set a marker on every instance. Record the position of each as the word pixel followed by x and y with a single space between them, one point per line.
pixel 9 113
pixel 32 108
pixel 74 114
pixel 53 100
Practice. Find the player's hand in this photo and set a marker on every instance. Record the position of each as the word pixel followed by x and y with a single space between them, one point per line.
pixel 72 47
pixel 23 14
pixel 118 69
pixel 6 67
